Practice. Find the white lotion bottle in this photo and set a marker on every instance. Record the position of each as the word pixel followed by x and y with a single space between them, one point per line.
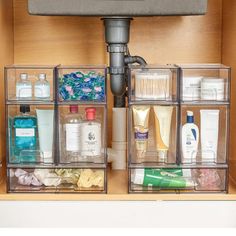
pixel 190 139
pixel 90 140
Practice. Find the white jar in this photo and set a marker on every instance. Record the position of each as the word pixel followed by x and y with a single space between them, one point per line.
pixel 213 89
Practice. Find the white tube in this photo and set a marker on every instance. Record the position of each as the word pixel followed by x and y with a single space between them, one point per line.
pixel 163 117
pixel 118 152
pixel 45 130
pixel 209 134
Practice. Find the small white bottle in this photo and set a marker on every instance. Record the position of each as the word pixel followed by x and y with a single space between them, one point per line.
pixel 90 140
pixel 72 124
pixel 24 87
pixel 190 139
pixel 42 87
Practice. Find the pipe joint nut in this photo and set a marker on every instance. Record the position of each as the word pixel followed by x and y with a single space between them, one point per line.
pixel 117 48
pixel 116 70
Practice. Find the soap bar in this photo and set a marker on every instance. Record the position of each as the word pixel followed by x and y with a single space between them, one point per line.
pixel 82 86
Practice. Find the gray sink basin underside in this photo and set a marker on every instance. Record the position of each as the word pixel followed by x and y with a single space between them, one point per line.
pixel 117 7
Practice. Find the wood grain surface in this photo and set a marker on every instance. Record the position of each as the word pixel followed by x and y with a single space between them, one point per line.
pixel 6 57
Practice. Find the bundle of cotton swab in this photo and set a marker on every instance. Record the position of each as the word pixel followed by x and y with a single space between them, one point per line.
pixel 153 84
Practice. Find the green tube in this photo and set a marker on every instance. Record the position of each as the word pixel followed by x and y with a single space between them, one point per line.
pixel 163 178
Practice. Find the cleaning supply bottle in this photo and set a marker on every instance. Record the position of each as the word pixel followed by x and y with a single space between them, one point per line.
pixel 190 139
pixel 90 140
pixel 72 124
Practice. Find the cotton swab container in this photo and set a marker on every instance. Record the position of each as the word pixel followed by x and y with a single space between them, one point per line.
pixel 153 84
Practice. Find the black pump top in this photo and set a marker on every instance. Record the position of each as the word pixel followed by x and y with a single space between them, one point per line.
pixel 24 108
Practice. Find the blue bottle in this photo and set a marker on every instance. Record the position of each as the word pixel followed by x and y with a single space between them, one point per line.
pixel 25 137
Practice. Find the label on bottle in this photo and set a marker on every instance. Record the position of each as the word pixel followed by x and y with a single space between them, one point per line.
pixel 42 91
pixel 189 143
pixel 23 91
pixel 141 139
pixel 141 136
pixel 23 132
pixel 72 137
pixel 91 139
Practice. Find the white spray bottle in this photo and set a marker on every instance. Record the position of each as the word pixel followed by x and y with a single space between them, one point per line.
pixel 190 139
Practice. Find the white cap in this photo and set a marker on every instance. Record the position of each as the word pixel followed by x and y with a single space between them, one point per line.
pixel 46 156
pixel 137 176
pixel 162 154
pixel 189 113
pixel 24 76
pixel 187 173
pixel 190 183
pixel 42 76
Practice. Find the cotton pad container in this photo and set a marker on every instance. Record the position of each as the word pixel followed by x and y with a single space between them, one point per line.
pixel 213 89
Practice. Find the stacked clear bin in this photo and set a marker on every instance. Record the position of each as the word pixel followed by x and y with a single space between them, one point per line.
pixel 205 93
pixel 160 161
pixel 37 158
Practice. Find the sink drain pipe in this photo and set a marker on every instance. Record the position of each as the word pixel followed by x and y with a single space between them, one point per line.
pixel 117 31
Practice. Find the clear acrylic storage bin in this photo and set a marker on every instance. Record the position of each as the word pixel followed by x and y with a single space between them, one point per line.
pixel 177 180
pixel 59 180
pixel 205 83
pixel 81 83
pixel 29 83
pixel 152 134
pixel 153 83
pixel 82 134
pixel 30 134
pixel 204 134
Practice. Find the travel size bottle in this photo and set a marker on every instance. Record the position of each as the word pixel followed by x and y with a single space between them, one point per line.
pixel 42 87
pixel 72 124
pixel 90 141
pixel 24 87
pixel 25 137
